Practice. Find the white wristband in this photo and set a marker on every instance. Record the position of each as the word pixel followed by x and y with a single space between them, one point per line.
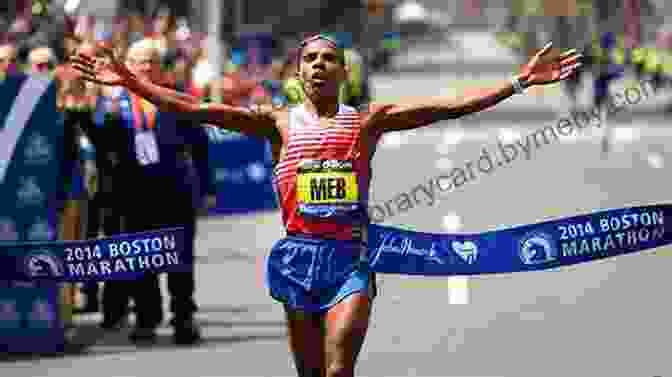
pixel 517 86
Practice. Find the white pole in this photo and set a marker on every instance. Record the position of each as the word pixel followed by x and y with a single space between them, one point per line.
pixel 458 286
pixel 458 290
pixel 214 42
pixel 238 15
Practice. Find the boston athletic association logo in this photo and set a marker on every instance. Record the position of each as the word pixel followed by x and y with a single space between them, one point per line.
pixel 537 248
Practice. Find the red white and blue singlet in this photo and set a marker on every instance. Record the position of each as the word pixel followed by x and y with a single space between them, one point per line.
pixel 322 181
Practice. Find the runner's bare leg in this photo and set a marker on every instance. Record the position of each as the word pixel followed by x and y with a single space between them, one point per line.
pixel 346 326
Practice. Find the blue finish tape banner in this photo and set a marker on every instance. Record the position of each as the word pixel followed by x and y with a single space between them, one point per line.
pixel 534 247
pixel 121 257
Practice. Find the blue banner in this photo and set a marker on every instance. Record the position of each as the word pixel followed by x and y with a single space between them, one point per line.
pixel 31 158
pixel 29 317
pixel 534 247
pixel 255 48
pixel 32 166
pixel 121 257
pixel 241 169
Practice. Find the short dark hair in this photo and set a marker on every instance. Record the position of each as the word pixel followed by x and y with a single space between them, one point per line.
pixel 340 51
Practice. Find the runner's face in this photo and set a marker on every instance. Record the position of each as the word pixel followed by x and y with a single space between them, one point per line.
pixel 321 69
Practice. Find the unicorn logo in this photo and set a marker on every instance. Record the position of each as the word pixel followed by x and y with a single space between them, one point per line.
pixel 537 248
pixel 43 264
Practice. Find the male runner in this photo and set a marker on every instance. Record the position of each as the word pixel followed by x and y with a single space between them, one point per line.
pixel 322 152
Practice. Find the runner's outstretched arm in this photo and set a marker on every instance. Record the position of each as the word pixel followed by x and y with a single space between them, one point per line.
pixel 422 112
pixel 240 119
pixel 244 120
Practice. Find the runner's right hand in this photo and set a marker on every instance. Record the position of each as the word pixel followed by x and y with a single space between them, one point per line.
pixel 108 70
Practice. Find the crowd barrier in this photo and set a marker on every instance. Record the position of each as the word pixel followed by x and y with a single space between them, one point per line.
pixel 241 166
pixel 33 315
pixel 241 170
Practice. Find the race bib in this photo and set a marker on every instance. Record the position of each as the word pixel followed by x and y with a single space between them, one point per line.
pixel 146 148
pixel 327 189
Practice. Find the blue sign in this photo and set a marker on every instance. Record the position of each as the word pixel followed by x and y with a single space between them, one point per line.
pixel 31 180
pixel 120 257
pixel 256 48
pixel 240 166
pixel 241 169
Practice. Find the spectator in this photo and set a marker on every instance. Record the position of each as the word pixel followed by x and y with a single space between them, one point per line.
pixel 8 58
pixel 41 60
pixel 156 162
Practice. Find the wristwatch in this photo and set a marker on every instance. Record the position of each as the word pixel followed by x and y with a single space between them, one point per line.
pixel 517 85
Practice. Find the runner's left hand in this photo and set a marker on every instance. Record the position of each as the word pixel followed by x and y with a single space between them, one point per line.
pixel 538 72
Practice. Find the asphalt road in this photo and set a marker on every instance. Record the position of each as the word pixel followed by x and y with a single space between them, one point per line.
pixel 607 318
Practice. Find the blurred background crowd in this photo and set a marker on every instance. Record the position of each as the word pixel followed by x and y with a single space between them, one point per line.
pixel 204 42
pixel 203 48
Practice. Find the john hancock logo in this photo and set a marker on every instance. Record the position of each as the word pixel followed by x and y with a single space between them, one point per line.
pixel 43 264
pixel 537 248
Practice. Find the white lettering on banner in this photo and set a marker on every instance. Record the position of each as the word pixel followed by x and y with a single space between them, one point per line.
pixel 123 265
pixel 404 246
pixel 627 221
pixel 83 253
pixel 612 241
pixel 136 247
pixel 611 224
pixel 296 246
pixel 17 119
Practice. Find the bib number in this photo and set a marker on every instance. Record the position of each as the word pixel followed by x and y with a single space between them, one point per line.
pixel 146 148
pixel 327 188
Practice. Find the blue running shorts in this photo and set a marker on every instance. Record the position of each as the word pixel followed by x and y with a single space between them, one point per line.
pixel 314 274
